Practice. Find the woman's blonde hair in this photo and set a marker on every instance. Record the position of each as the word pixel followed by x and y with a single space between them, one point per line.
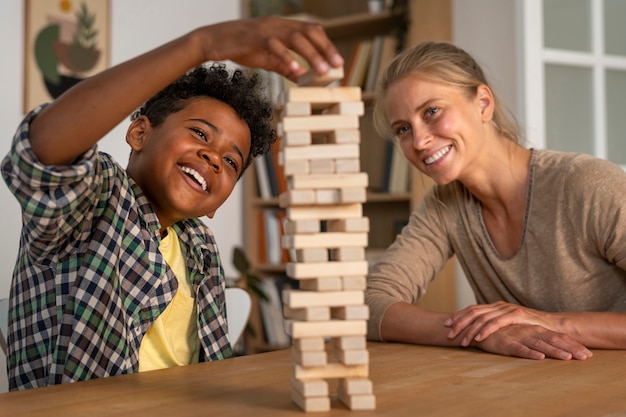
pixel 443 63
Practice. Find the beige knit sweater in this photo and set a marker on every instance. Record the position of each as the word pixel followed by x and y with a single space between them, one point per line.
pixel 572 255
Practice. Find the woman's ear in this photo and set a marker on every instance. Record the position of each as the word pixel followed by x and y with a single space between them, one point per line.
pixel 137 133
pixel 486 102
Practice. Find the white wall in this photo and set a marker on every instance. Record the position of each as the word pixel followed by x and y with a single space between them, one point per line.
pixel 136 26
pixel 488 30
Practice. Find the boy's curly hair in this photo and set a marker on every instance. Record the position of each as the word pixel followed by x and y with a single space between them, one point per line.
pixel 242 90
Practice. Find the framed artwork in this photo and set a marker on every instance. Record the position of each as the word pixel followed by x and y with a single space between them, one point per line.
pixel 65 42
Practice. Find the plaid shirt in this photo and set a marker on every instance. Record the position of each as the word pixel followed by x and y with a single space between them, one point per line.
pixel 89 278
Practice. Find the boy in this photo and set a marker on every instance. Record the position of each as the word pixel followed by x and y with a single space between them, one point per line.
pixel 115 272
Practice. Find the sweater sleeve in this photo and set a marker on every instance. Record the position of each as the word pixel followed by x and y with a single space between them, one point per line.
pixel 411 262
pixel 596 193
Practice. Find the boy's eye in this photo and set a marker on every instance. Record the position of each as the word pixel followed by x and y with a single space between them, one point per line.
pixel 199 132
pixel 232 163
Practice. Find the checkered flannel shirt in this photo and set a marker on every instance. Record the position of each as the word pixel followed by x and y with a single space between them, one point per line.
pixel 89 278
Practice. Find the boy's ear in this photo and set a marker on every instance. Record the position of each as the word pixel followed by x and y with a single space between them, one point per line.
pixel 211 214
pixel 137 133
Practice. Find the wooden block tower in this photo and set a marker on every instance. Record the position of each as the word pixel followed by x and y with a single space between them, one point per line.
pixel 326 234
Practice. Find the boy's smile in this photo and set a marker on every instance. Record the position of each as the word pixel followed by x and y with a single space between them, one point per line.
pixel 189 164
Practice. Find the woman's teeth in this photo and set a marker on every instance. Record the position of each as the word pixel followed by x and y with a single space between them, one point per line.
pixel 437 156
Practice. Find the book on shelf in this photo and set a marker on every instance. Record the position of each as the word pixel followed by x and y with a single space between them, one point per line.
pixel 374 63
pixel 270 173
pixel 387 155
pixel 272 309
pixel 388 52
pixel 271 230
pixel 262 177
pixel 359 60
pixel 400 171
pixel 272 236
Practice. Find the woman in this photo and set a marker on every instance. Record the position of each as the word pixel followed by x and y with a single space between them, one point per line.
pixel 540 235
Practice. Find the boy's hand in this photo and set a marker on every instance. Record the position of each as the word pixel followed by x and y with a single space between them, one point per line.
pixel 266 43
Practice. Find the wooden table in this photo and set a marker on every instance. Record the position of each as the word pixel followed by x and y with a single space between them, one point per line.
pixel 408 381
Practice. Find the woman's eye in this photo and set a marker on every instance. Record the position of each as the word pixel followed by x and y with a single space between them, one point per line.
pixel 431 111
pixel 402 130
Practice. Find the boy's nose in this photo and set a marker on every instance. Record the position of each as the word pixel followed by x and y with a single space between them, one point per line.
pixel 212 159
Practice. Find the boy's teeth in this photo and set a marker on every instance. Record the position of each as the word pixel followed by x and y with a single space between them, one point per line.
pixel 196 176
pixel 437 156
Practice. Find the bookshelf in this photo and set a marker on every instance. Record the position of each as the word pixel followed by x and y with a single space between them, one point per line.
pixel 348 23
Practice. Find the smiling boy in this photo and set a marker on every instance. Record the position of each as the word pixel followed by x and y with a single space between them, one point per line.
pixel 116 273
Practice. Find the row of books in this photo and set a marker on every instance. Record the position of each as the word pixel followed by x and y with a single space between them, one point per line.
pixel 396 170
pixel 368 60
pixel 270 175
pixel 271 228
pixel 272 309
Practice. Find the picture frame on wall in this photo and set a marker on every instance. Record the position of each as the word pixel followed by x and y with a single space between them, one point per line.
pixel 65 42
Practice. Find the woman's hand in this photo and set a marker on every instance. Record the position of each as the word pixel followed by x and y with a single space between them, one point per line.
pixel 533 342
pixel 266 43
pixel 479 321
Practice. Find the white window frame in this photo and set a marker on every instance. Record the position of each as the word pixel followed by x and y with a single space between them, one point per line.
pixel 535 57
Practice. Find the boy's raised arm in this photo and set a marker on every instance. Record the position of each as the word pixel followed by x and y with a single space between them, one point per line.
pixel 85 113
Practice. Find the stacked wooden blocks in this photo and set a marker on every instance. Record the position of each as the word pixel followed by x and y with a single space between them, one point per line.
pixel 326 234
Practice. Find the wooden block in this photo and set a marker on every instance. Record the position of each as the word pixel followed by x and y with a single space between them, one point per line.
pixel 349 343
pixel 332 328
pixel 344 136
pixel 300 138
pixel 328 151
pixel 354 107
pixel 353 357
pixel 307 313
pixel 320 95
pixel 299 298
pixel 322 284
pixel 346 166
pixel 312 78
pixel 309 343
pixel 313 387
pixel 325 212
pixel 296 109
pixel 320 123
pixel 347 254
pixel 361 312
pixel 355 386
pixel 332 370
pixel 352 195
pixel 297 182
pixel 296 167
pixel 310 404
pixel 326 196
pixel 357 224
pixel 300 270
pixel 357 402
pixel 325 240
pixel 302 226
pixel 322 166
pixel 309 358
pixel 296 198
pixel 354 283
pixel 312 255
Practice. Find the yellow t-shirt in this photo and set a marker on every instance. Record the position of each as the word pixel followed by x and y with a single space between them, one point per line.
pixel 172 340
